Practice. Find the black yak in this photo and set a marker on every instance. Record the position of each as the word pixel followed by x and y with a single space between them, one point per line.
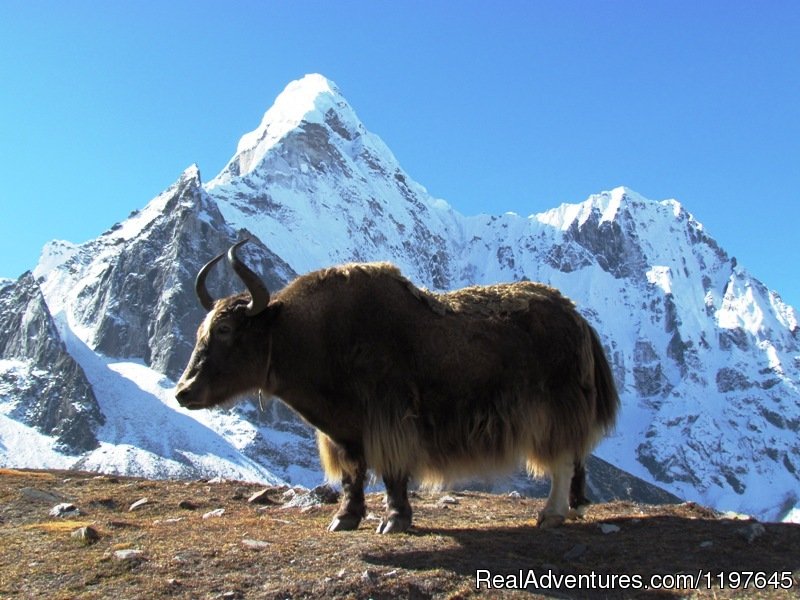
pixel 410 384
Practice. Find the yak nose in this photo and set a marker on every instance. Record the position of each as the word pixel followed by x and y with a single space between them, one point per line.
pixel 183 394
pixel 192 395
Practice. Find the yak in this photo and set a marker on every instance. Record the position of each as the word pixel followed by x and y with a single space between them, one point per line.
pixel 409 384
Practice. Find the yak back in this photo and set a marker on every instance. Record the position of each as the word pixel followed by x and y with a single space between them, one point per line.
pixel 369 322
pixel 476 300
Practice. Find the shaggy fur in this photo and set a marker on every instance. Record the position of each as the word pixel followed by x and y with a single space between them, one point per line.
pixel 492 417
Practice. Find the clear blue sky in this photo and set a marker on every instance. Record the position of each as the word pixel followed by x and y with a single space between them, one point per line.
pixel 493 106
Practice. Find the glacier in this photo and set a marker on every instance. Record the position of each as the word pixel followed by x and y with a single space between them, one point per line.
pixel 706 357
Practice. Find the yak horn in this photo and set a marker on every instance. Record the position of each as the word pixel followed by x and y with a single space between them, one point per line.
pixel 200 284
pixel 259 295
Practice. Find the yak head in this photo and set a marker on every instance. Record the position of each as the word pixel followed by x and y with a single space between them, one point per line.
pixel 232 354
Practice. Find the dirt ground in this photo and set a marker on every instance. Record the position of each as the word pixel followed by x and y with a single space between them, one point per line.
pixel 178 544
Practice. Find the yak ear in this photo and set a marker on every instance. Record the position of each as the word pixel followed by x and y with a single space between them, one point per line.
pixel 274 310
pixel 268 316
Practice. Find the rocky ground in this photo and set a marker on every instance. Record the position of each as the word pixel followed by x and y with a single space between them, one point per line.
pixel 79 535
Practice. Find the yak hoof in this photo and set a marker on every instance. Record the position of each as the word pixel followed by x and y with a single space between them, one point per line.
pixel 344 522
pixel 550 520
pixel 394 524
pixel 578 512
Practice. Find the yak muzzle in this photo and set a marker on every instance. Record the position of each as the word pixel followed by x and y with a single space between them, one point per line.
pixel 188 396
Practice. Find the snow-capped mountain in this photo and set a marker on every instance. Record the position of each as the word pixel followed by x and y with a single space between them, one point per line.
pixel 706 357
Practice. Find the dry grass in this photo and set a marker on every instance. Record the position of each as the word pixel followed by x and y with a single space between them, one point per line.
pixel 59 525
pixel 273 552
pixel 26 474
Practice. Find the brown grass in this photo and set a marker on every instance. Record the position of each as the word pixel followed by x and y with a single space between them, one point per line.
pixel 58 526
pixel 185 556
pixel 26 474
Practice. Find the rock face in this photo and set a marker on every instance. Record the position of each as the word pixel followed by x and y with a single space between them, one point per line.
pixel 47 388
pixel 706 357
pixel 132 290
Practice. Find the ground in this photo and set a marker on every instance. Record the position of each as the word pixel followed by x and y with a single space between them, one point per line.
pixel 182 549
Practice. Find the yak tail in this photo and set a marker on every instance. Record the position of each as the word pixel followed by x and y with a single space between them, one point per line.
pixel 605 410
pixel 606 399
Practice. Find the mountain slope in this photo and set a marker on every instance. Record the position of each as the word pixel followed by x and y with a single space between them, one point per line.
pixel 47 388
pixel 705 356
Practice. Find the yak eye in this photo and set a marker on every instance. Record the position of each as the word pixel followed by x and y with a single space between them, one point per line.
pixel 223 329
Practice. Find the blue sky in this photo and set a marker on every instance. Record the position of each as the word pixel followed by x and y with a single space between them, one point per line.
pixel 493 106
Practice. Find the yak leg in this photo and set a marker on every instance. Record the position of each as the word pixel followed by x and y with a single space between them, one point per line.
pixel 557 506
pixel 352 508
pixel 577 490
pixel 398 509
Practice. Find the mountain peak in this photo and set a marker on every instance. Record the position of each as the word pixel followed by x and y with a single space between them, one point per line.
pixel 191 173
pixel 306 99
pixel 609 204
pixel 310 99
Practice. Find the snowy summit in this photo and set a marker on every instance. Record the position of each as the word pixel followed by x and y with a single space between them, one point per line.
pixel 308 100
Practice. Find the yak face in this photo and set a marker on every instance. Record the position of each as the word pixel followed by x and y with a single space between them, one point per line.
pixel 231 355
pixel 229 359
